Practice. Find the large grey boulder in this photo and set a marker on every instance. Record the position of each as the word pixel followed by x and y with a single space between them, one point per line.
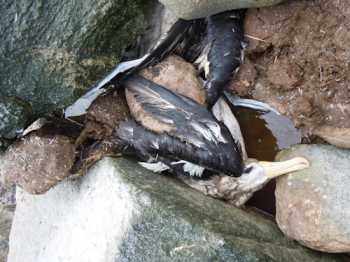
pixel 6 216
pixel 52 50
pixel 7 207
pixel 121 212
pixel 313 204
pixel 192 9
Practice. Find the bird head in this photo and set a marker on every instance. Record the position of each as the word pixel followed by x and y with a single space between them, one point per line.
pixel 255 176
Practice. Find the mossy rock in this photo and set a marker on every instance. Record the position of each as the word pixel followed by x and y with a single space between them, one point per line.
pixel 51 51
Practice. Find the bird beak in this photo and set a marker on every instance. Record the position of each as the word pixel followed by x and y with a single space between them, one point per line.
pixel 275 169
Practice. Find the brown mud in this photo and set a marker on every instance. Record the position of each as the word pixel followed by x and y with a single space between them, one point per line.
pixel 297 61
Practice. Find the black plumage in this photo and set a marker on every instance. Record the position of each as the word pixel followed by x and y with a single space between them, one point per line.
pixel 225 52
pixel 190 132
pixel 171 127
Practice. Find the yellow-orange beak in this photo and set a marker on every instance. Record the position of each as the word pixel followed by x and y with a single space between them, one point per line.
pixel 275 169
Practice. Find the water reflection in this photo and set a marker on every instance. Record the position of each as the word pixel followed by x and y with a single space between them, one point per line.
pixel 265 134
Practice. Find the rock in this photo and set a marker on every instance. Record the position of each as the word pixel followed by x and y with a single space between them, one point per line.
pixel 14 116
pixel 7 194
pixel 179 76
pixel 7 208
pixel 53 50
pixel 160 20
pixel 313 205
pixel 4 143
pixel 192 9
pixel 37 163
pixel 6 216
pixel 121 212
pixel 334 135
pixel 300 52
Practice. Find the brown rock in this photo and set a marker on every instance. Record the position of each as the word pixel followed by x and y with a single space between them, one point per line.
pixel 179 76
pixel 312 206
pixel 38 163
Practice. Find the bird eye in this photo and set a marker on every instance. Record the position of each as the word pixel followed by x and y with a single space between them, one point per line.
pixel 248 169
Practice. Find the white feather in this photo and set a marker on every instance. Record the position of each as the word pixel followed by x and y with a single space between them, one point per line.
pixel 216 130
pixel 155 167
pixel 211 132
pixel 147 95
pixel 223 113
pixel 155 144
pixel 192 169
pixel 203 62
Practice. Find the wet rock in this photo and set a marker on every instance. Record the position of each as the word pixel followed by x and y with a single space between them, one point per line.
pixel 191 9
pixel 176 74
pixel 121 212
pixel 37 163
pixel 300 53
pixel 313 204
pixel 53 50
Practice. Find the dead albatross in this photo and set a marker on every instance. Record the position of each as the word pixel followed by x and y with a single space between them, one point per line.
pixel 174 133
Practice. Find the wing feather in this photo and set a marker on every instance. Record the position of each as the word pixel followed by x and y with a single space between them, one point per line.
pixel 185 119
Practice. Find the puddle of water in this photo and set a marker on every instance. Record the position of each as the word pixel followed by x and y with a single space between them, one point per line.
pixel 265 134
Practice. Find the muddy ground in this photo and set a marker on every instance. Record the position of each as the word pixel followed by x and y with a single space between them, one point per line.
pixel 298 61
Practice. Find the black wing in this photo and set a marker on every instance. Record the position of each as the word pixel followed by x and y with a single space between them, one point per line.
pixel 152 147
pixel 187 128
pixel 224 51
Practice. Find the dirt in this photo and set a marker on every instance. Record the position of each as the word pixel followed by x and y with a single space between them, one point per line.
pixel 297 60
pixel 103 116
pixel 37 163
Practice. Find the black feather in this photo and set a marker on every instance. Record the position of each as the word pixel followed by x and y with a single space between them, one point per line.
pixel 225 37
